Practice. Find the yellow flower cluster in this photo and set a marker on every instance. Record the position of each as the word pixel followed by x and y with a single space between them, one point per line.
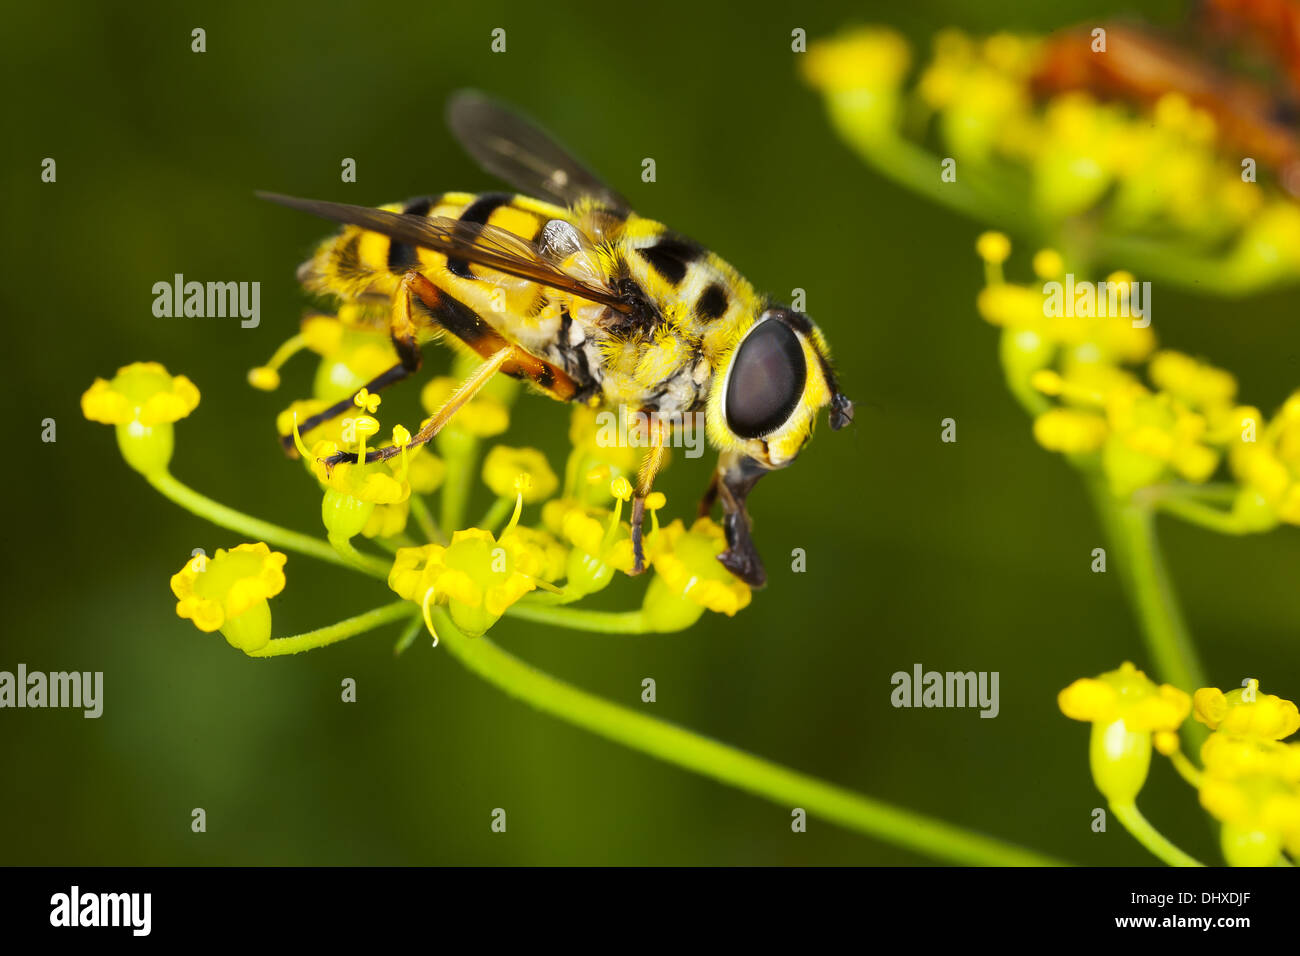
pixel 1161 173
pixel 1075 373
pixel 1270 467
pixel 479 572
pixel 1251 777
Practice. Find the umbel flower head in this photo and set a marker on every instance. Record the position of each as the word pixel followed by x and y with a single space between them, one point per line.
pixel 143 401
pixel 1246 711
pixel 1269 468
pixel 228 593
pixel 1126 708
pixel 1073 371
pixel 1252 778
pixel 1020 149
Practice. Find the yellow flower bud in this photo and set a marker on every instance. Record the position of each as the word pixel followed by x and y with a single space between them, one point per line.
pixel 993 247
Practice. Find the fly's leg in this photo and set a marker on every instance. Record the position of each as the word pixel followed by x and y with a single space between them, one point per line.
pixel 464 393
pixel 735 479
pixel 650 467
pixel 414 287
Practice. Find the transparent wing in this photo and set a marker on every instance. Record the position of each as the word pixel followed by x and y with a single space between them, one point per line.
pixel 483 244
pixel 521 154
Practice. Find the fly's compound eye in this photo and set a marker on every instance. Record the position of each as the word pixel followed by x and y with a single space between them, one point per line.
pixel 766 381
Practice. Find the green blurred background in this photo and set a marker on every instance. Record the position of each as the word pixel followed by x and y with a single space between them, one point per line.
pixel 967 556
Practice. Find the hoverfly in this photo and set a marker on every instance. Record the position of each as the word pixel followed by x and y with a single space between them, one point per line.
pixel 589 302
pixel 1257 117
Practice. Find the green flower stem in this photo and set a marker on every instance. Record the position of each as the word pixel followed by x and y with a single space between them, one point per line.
pixel 351 627
pixel 1030 399
pixel 393 544
pixel 460 451
pixel 1131 531
pixel 1207 516
pixel 424 518
pixel 725 764
pixel 566 595
pixel 413 630
pixel 364 563
pixel 1151 838
pixel 252 528
pixel 1184 266
pixel 1220 492
pixel 1186 769
pixel 582 619
pixel 981 194
pixel 496 514
pixel 917 169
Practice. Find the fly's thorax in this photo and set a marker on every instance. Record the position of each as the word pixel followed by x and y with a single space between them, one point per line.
pixel 703 296
pixel 690 306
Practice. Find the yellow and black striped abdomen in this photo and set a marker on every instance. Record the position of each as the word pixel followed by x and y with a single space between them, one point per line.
pixel 357 262
pixel 479 306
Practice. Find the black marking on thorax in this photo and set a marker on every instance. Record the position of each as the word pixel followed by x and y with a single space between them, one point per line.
pixel 712 303
pixel 642 317
pixel 670 256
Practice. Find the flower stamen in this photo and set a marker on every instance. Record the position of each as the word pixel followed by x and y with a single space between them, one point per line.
pixel 428 617
pixel 266 378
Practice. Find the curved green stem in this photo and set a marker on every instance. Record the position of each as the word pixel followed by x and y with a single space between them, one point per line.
pixel 413 630
pixel 565 595
pixel 1186 769
pixel 252 528
pixel 1130 528
pixel 424 518
pixel 377 567
pixel 496 513
pixel 679 746
pixel 1207 516
pixel 1151 838
pixel 323 636
pixel 1221 492
pixel 916 168
pixel 583 619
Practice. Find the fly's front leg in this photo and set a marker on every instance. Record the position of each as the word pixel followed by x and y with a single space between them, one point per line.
pixel 734 480
pixel 710 495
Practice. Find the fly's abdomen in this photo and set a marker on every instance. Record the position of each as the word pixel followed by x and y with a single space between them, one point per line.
pixel 357 262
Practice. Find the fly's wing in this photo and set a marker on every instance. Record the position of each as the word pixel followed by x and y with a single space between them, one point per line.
pixel 512 148
pixel 479 243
